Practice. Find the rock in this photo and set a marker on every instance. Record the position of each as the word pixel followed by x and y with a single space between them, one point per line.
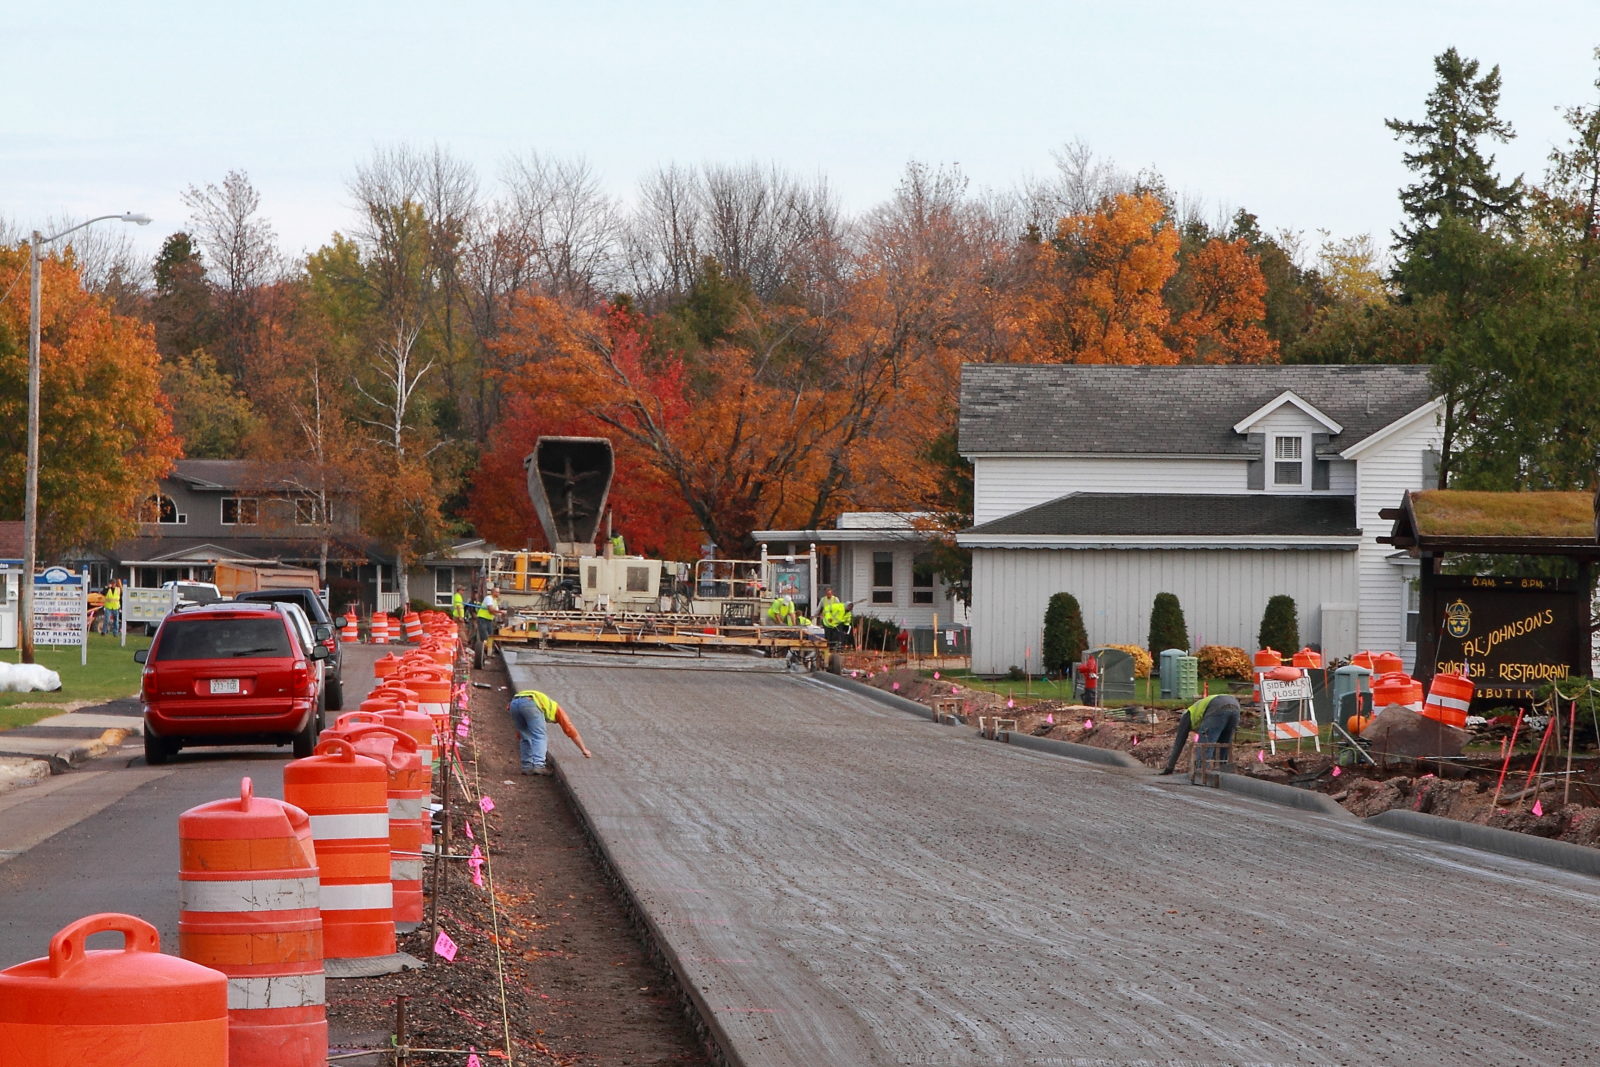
pixel 1399 731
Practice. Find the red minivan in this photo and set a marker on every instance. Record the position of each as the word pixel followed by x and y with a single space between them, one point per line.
pixel 230 674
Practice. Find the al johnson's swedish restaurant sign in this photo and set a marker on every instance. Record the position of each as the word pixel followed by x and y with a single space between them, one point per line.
pixel 1509 635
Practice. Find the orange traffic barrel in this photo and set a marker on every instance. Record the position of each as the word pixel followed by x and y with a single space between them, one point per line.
pixel 1268 657
pixel 347 797
pixel 410 828
pixel 380 628
pixel 413 724
pixel 1396 687
pixel 1307 658
pixel 384 666
pixel 1387 663
pixel 1363 659
pixel 1449 697
pixel 349 628
pixel 432 686
pixel 411 626
pixel 133 1007
pixel 248 906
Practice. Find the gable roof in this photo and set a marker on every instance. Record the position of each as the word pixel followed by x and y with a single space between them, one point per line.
pixel 1212 517
pixel 1089 410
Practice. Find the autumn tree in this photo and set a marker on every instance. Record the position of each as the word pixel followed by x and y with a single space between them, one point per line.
pixel 105 432
pixel 1100 280
pixel 212 416
pixel 1223 296
pixel 242 252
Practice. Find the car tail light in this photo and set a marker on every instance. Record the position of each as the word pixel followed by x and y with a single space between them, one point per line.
pixel 302 678
pixel 148 682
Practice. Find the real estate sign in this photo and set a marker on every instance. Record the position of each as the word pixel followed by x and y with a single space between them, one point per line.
pixel 60 607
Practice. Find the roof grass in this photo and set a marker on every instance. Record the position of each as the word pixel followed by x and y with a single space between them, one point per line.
pixel 1466 513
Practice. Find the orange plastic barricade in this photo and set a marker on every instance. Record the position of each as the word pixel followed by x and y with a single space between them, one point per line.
pixel 411 624
pixel 380 628
pixel 132 1007
pixel 1449 698
pixel 349 629
pixel 409 826
pixel 248 907
pixel 347 797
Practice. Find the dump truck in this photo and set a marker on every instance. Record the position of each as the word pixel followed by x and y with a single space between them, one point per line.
pixel 234 578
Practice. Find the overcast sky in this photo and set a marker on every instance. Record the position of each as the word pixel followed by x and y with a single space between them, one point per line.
pixel 1276 107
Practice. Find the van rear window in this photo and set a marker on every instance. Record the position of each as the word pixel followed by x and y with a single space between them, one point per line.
pixel 203 638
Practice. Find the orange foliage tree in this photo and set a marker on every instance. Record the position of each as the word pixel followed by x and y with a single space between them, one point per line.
pixel 1223 294
pixel 105 429
pixel 1098 295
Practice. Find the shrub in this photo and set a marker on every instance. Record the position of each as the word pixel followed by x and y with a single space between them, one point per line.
pixel 1064 635
pixel 1167 629
pixel 1280 626
pixel 1224 661
pixel 1141 659
pixel 878 635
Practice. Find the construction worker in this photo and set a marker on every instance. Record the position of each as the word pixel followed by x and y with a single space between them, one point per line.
pixel 781 612
pixel 619 547
pixel 832 614
pixel 1213 720
pixel 488 608
pixel 530 711
pixel 111 621
pixel 458 605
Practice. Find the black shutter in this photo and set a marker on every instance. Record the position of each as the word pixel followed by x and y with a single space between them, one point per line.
pixel 1256 473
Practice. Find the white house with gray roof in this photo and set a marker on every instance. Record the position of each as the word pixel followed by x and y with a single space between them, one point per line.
pixel 1223 485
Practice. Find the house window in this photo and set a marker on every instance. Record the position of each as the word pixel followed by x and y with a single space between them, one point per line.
pixel 922 578
pixel 160 508
pixel 307 511
pixel 883 577
pixel 238 511
pixel 443 587
pixel 1413 609
pixel 1288 462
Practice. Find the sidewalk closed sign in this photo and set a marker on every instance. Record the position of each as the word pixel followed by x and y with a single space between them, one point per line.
pixel 60 607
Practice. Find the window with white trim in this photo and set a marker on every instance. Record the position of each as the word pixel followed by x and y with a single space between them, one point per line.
pixel 161 508
pixel 307 510
pixel 1413 609
pixel 922 578
pixel 1288 462
pixel 883 577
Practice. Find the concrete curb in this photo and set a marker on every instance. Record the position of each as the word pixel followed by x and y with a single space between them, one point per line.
pixel 1287 795
pixel 1561 854
pixel 893 700
pixel 17 772
pixel 1088 753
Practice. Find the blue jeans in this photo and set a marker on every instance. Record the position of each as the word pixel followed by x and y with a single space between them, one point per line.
pixel 530 723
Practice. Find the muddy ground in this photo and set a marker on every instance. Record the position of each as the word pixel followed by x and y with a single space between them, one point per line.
pixel 546 950
pixel 1464 789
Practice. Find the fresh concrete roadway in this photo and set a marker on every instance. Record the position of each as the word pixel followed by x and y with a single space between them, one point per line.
pixel 844 884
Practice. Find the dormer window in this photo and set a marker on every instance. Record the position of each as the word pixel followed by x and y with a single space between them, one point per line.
pixel 1288 462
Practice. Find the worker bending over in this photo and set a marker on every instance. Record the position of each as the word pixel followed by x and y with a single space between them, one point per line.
pixel 1213 720
pixel 530 711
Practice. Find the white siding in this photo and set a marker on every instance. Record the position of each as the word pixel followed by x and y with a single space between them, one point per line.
pixel 1003 485
pixel 1223 594
pixel 1384 475
pixel 856 566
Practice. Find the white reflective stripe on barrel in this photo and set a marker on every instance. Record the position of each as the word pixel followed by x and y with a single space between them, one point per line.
pixel 436 707
pixel 405 808
pixel 362 896
pixel 1449 702
pixel 256 894
pixel 350 827
pixel 277 991
pixel 405 870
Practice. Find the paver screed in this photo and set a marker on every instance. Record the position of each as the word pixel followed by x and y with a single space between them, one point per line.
pixel 840 883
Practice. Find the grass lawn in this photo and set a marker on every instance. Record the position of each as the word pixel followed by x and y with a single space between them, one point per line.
pixel 109 675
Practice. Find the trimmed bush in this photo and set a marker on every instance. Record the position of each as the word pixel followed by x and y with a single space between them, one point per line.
pixel 1167 628
pixel 1280 626
pixel 1224 661
pixel 1142 663
pixel 1065 637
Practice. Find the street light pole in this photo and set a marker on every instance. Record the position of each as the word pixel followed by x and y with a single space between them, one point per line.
pixel 30 505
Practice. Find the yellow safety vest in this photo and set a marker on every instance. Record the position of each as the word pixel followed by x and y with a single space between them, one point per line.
pixel 458 606
pixel 113 600
pixel 546 705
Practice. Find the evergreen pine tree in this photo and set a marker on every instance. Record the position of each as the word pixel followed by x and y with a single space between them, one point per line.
pixel 1167 628
pixel 1280 625
pixel 1065 637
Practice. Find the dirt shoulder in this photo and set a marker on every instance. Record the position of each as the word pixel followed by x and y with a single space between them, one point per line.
pixel 546 949
pixel 1552 805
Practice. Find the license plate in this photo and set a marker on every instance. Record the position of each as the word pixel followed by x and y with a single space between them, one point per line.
pixel 224 685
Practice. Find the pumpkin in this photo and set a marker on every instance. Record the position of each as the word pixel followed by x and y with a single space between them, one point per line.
pixel 1357 723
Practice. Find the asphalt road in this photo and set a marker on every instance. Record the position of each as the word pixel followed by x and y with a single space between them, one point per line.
pixel 105 837
pixel 841 883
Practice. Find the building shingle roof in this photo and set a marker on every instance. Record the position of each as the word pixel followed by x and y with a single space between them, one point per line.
pixel 1180 515
pixel 1117 410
